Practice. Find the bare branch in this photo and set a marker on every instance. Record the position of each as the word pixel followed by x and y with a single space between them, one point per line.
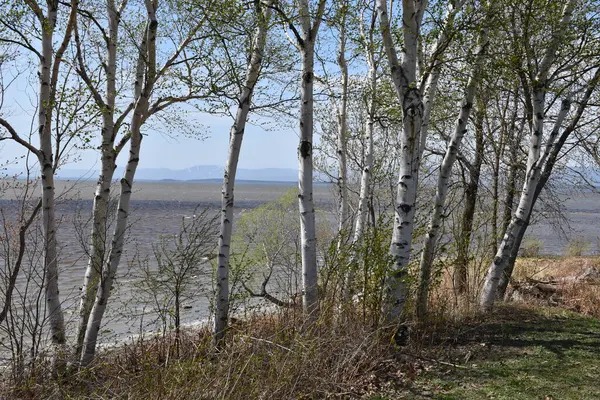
pixel 15 136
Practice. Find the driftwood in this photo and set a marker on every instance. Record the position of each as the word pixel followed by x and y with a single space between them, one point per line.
pixel 550 289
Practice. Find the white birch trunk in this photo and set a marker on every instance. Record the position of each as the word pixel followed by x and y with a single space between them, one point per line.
pixel 534 163
pixel 98 237
pixel 109 271
pixel 140 113
pixel 428 99
pixel 526 201
pixel 443 182
pixel 308 240
pixel 227 200
pixel 404 78
pixel 416 113
pixel 53 304
pixel 305 186
pixel 431 83
pixel 552 151
pixel 343 216
pixel 365 178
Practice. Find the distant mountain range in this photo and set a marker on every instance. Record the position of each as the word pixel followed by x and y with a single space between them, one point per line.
pixel 199 172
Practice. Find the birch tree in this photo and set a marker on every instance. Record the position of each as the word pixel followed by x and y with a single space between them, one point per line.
pixel 108 156
pixel 539 153
pixel 236 136
pixel 552 155
pixel 50 59
pixel 145 79
pixel 182 77
pixel 305 40
pixel 365 179
pixel 404 76
pixel 450 156
pixel 342 122
pixel 416 100
pixel 367 38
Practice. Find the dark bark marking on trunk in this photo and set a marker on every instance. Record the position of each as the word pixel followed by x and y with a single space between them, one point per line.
pixel 305 148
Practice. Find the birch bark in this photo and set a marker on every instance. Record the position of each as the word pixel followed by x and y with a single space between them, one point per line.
pixel 50 61
pixel 519 221
pixel 147 63
pixel 436 218
pixel 308 250
pixel 416 111
pixel 404 79
pixel 430 79
pixel 535 162
pixel 98 237
pixel 365 178
pixel 342 116
pixel 514 137
pixel 227 199
pixel 305 186
pixel 55 314
pixel 552 151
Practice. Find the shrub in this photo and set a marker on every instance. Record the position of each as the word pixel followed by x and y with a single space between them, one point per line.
pixel 531 248
pixel 578 246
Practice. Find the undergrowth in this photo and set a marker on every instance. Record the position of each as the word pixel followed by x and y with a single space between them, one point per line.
pixel 520 351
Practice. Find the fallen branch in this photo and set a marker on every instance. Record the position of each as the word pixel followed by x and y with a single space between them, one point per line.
pixel 264 294
pixel 449 364
pixel 270 342
pixel 551 289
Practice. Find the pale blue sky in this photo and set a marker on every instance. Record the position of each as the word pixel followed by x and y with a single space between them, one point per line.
pixel 261 149
pixel 272 148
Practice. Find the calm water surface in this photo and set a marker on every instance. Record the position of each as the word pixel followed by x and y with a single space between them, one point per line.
pixel 157 210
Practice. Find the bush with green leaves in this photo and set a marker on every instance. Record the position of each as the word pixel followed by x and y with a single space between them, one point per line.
pixel 266 251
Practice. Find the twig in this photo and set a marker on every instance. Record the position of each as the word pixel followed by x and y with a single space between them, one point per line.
pixel 270 342
pixel 436 361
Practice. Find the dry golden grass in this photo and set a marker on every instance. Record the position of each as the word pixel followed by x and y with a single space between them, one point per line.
pixel 582 296
pixel 554 267
pixel 267 357
pixel 281 356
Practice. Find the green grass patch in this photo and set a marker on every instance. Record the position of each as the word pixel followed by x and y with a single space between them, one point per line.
pixel 519 353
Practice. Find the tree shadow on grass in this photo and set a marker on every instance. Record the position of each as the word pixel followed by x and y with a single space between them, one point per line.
pixel 514 352
pixel 522 347
pixel 515 328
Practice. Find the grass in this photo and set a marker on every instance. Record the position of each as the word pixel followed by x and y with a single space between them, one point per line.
pixel 520 351
pixel 553 266
pixel 517 352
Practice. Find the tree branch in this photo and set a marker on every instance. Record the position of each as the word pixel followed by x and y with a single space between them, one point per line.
pixel 15 136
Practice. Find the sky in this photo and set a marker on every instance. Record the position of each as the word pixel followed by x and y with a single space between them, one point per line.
pixel 262 148
pixel 274 147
